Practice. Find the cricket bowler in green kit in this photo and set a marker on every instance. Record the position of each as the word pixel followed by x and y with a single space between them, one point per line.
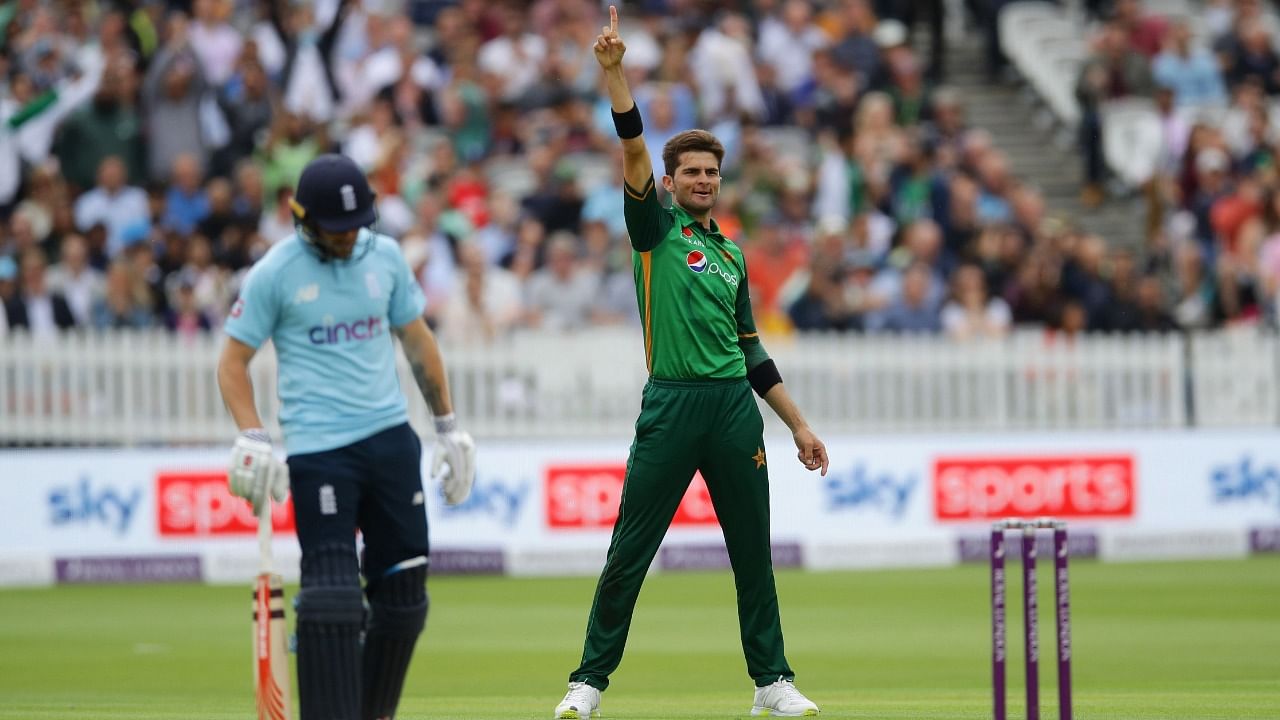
pixel 704 359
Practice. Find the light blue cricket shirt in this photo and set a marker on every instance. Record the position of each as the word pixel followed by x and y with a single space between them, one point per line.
pixel 331 325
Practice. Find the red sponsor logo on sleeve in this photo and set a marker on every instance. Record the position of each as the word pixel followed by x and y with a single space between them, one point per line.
pixel 586 497
pixel 237 308
pixel 1069 486
pixel 199 504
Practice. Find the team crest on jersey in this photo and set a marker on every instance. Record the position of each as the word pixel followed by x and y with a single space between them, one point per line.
pixel 696 261
pixel 371 284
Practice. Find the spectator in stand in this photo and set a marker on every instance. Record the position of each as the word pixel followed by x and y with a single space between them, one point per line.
pixel 221 216
pixel 960 223
pixel 1113 70
pixel 915 309
pixel 247 110
pixel 512 61
pixel 1072 321
pixel 995 187
pixel 1190 71
pixel 464 110
pixel 123 306
pixel 210 283
pixel 37 308
pixel 308 86
pixel 1195 298
pixel 788 39
pixel 855 50
pixel 1035 294
pixel 829 105
pixel 47 198
pixel 1217 17
pixel 293 142
pixel 778 107
pixel 972 313
pixel 22 235
pixel 485 306
pixel 1247 53
pixel 82 285
pixel 1152 313
pixel 916 189
pixel 561 296
pixel 946 128
pixel 216 44
pixel 836 290
pixel 1213 183
pixel 775 262
pixel 720 62
pixel 1145 31
pixel 1231 213
pixel 921 246
pixel 987 252
pixel 557 202
pixel 109 126
pixel 911 94
pixel 278 223
pixel 185 317
pixel 377 144
pixel 185 204
pixel 249 196
pixel 112 204
pixel 1083 280
pixel 1254 58
pixel 171 95
pixel 393 63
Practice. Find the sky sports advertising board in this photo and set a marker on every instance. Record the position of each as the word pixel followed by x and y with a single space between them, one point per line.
pixel 548 508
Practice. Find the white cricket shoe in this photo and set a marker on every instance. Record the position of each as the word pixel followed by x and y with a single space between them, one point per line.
pixel 782 699
pixel 581 702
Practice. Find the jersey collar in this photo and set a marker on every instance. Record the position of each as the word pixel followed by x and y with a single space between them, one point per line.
pixel 687 220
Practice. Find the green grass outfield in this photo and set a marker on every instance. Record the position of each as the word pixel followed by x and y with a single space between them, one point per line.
pixel 1190 641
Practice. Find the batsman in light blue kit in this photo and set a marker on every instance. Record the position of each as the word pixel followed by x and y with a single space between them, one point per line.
pixel 330 297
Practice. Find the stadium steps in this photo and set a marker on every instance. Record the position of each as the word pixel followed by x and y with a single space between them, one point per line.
pixel 1039 151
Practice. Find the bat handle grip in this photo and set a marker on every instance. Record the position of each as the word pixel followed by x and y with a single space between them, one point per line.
pixel 264 536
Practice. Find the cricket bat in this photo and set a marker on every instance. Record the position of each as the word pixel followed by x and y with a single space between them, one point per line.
pixel 270 659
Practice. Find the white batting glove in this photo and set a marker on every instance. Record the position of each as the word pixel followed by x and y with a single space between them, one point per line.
pixel 454 462
pixel 255 473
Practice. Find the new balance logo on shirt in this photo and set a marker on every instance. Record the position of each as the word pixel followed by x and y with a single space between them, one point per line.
pixel 306 294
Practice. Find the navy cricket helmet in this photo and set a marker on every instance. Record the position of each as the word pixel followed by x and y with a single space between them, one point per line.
pixel 333 195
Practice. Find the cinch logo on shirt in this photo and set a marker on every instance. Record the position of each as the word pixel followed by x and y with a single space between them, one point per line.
pixel 331 334
pixel 696 260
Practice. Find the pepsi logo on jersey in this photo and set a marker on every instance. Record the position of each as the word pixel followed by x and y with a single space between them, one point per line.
pixel 698 263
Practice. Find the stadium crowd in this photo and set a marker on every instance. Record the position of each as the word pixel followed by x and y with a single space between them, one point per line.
pixel 147 151
pixel 1211 186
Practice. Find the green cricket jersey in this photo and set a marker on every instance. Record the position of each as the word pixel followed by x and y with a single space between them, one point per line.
pixel 692 287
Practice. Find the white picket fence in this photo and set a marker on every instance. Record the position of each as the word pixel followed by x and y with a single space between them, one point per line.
pixel 140 389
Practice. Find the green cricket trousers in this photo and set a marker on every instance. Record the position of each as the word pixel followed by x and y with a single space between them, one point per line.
pixel 713 426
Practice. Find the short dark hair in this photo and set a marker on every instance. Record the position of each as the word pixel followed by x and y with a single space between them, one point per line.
pixel 690 141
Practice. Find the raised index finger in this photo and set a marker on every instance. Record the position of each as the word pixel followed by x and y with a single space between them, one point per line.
pixel 613 18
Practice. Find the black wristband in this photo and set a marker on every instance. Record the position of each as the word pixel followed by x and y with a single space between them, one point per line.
pixel 628 124
pixel 764 376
